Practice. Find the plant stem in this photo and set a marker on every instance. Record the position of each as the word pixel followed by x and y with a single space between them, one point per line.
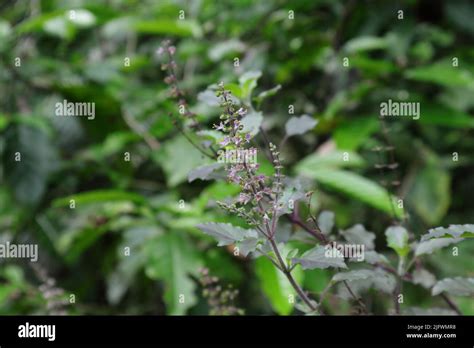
pixel 291 279
pixel 451 304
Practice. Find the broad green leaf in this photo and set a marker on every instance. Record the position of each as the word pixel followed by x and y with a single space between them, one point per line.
pixel 316 280
pixel 172 259
pixel 371 257
pixel 266 94
pixel 373 66
pixel 397 239
pixel 454 286
pixel 430 194
pixel 226 234
pixel 28 159
pixel 235 92
pixel 439 115
pixel 36 23
pixel 360 274
pixel 326 221
pixel 292 193
pixel 300 125
pixel 365 43
pixel 60 27
pixel 276 286
pixel 248 82
pixel 169 27
pixel 333 159
pixel 429 246
pixel 424 278
pixel 453 231
pixel 135 238
pixel 321 257
pixel 208 97
pixel 72 244
pixel 357 187
pixel 251 122
pixel 111 145
pixel 81 18
pixel 99 196
pixel 442 73
pixel 203 172
pixel 221 49
pixel 351 134
pixel 171 159
pixel 357 234
pixel 376 279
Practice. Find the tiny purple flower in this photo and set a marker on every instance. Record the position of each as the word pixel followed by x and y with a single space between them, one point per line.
pixel 241 112
pixel 221 126
pixel 244 198
pixel 225 142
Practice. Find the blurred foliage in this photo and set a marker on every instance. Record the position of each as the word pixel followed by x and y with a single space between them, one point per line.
pixel 106 53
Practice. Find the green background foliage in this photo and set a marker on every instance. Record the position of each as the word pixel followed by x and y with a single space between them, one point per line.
pixel 148 205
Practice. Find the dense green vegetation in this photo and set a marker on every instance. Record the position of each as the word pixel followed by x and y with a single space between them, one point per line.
pixel 114 201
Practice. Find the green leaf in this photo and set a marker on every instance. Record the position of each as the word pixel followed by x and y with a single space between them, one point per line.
pixel 81 18
pixel 172 259
pixel 114 143
pixel 28 177
pixel 227 234
pixel 266 94
pixel 360 281
pixel 442 73
pixel 429 246
pixel 135 238
pixel 453 231
pixel 365 43
pixel 169 27
pixel 276 286
pixel 203 172
pixel 371 257
pixel 455 286
pixel 209 98
pixel 397 239
pixel 357 234
pixel 251 123
pixel 424 278
pixel 300 125
pixel 357 187
pixel 293 191
pixel 72 244
pixel 439 115
pixel 220 50
pixel 248 82
pixel 360 274
pixel 60 27
pixel 326 221
pixel 321 257
pixel 171 159
pixel 333 159
pixel 351 134
pixel 99 196
pixel 430 194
